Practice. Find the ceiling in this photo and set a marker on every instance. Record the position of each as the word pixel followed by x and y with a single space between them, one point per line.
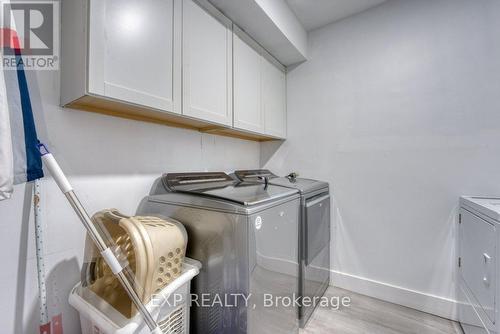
pixel 314 14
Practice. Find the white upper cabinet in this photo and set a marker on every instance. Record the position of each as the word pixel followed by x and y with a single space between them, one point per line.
pixel 259 89
pixel 206 65
pixel 248 111
pixel 274 99
pixel 176 62
pixel 134 52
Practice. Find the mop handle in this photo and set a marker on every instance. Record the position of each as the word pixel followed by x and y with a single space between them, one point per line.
pixel 108 255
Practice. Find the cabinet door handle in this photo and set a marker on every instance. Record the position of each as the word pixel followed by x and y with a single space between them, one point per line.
pixel 486 279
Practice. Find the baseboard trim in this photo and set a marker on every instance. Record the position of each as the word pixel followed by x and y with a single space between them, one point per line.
pixel 440 306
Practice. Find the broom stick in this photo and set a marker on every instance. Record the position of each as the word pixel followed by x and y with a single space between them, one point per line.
pixel 123 276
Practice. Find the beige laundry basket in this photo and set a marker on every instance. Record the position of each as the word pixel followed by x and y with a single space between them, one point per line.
pixel 151 248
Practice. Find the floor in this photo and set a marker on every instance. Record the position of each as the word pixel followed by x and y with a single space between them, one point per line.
pixel 373 316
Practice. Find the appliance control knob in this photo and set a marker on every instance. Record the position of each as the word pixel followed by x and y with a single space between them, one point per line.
pixel 292 176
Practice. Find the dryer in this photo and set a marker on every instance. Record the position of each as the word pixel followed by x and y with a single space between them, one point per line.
pixel 245 235
pixel 314 238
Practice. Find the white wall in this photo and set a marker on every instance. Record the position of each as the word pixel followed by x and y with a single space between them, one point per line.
pixel 399 109
pixel 112 163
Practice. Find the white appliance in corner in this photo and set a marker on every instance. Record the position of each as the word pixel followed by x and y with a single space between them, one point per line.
pixel 479 247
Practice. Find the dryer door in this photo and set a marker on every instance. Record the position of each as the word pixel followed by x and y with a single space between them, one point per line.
pixel 315 252
pixel 317 227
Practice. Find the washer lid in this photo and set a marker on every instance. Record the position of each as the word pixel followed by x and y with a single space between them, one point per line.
pixel 290 181
pixel 196 181
pixel 488 206
pixel 302 185
pixel 222 186
pixel 248 193
pixel 254 174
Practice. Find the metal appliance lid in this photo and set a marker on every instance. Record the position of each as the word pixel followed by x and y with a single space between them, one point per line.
pixel 488 206
pixel 196 181
pixel 222 186
pixel 301 184
pixel 254 174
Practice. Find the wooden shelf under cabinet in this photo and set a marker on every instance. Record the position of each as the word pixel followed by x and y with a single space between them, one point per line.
pixel 106 106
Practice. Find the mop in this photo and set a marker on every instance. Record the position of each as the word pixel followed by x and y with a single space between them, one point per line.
pixel 124 276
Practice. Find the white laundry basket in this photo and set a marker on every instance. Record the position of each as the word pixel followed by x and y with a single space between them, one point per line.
pixel 170 308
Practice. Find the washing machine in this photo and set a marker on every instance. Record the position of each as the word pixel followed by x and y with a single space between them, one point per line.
pixel 314 238
pixel 246 237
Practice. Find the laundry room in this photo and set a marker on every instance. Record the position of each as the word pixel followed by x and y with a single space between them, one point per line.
pixel 250 166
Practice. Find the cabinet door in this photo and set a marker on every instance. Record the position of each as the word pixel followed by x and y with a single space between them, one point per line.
pixel 134 53
pixel 478 260
pixel 248 113
pixel 207 65
pixel 274 99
